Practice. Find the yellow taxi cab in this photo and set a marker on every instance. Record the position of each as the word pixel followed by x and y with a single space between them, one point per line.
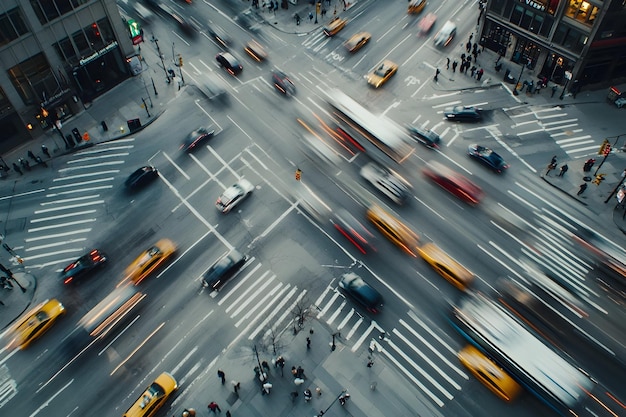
pixel 382 73
pixel 150 260
pixel 489 373
pixel 446 266
pixel 394 230
pixel 35 323
pixel 357 41
pixel 334 26
pixel 154 397
pixel 416 6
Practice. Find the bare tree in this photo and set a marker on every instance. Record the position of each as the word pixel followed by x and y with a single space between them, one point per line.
pixel 300 311
pixel 270 340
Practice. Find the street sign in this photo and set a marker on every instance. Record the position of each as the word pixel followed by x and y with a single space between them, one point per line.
pixel 620 195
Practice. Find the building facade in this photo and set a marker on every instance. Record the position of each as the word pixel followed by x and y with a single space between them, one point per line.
pixel 56 56
pixel 575 43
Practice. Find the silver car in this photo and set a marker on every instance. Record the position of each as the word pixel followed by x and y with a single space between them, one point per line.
pixel 233 195
pixel 389 184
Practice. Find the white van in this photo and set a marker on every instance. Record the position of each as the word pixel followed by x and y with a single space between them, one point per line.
pixel 445 35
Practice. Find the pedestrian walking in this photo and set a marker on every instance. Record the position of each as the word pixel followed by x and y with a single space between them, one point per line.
pixel 300 372
pixel 45 151
pixel 479 74
pixel 563 170
pixel 474 47
pixel 267 386
pixel 462 57
pixel 471 36
pixel 228 413
pixel 308 343
pixel 447 63
pixel 582 189
pixel 298 381
pixel 454 65
pixel 294 371
pixel 370 363
pixel 473 70
pixel 221 375
pixel 310 16
pixel 437 72
pixel 17 169
pixel 297 16
pixel 468 47
pixel 236 386
pixel 553 91
pixel 213 407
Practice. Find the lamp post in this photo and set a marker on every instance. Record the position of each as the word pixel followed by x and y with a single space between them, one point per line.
pixel 156 42
pixel 521 72
pixel 568 76
pixel 332 345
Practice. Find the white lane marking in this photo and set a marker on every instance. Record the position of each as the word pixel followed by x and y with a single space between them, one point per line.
pixel 22 194
pixel 175 165
pixel 584 142
pixel 102 164
pixel 265 301
pixel 332 318
pixel 572 139
pixel 69 200
pixel 224 163
pixel 49 400
pixel 71 206
pixel 56 235
pixel 94 158
pixel 243 300
pixel 102 150
pixel 433 349
pixel 75 184
pixel 56 226
pixel 55 244
pixel 346 319
pixel 86 174
pixel 560 122
pixel 240 282
pixel 80 190
pixel 283 300
pixel 58 252
pixel 565 133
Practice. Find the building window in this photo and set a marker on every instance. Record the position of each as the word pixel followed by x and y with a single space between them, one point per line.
pixel 582 11
pixel 33 79
pixel 48 10
pixel 570 38
pixel 12 26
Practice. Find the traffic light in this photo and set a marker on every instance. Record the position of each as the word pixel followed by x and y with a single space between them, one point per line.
pixel 599 179
pixel 298 174
pixel 318 7
pixel 603 148
pixel 180 60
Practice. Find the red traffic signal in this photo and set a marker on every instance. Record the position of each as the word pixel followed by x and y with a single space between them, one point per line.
pixel 606 150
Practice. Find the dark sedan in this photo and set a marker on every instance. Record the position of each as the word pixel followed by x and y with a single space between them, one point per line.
pixel 487 157
pixel 196 138
pixel 282 83
pixel 363 293
pixel 223 269
pixel 229 63
pixel 426 137
pixel 142 177
pixel 83 266
pixel 463 113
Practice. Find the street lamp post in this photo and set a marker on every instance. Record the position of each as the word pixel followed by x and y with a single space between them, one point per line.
pixel 521 72
pixel 568 76
pixel 156 42
pixel 332 345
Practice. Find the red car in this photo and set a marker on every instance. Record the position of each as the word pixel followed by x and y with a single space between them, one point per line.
pixel 453 182
pixel 354 231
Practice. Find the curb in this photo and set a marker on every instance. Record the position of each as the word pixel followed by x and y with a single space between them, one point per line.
pixel 564 192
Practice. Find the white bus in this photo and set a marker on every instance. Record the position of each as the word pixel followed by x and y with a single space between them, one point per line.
pixel 369 132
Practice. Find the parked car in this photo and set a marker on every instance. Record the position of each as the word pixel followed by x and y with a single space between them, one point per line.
pixel 223 269
pixel 83 266
pixel 141 177
pixel 463 113
pixel 487 157
pixel 229 63
pixel 196 138
pixel 363 293
pixel 233 195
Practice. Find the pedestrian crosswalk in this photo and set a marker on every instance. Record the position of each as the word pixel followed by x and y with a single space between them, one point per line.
pixel 555 123
pixel 263 306
pixel 58 231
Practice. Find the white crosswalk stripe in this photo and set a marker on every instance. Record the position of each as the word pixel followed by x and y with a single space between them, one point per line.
pixel 73 202
pixel 263 306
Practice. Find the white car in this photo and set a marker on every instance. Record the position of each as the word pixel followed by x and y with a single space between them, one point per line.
pixel 233 195
pixel 391 185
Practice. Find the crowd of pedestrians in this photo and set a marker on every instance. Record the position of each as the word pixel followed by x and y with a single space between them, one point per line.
pixel 468 61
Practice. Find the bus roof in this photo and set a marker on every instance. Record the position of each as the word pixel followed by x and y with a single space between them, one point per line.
pixel 526 353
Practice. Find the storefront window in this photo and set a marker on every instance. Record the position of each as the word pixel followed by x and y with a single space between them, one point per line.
pixel 12 26
pixel 582 11
pixel 570 38
pixel 33 79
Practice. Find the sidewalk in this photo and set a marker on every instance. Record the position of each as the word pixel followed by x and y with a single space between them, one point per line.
pixel 378 391
pixel 16 301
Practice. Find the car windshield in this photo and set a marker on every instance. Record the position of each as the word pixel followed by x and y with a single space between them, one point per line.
pixel 382 70
pixel 231 193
